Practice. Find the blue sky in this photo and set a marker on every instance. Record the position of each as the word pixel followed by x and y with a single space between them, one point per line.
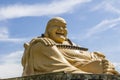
pixel 94 24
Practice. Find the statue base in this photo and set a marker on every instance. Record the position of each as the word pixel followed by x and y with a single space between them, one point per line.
pixel 67 76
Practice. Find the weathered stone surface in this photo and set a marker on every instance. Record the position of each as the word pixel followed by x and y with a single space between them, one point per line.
pixel 67 76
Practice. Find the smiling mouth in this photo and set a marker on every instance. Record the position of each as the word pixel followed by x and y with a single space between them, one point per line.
pixel 60 33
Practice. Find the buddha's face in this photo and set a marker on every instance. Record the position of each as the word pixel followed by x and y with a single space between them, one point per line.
pixel 58 33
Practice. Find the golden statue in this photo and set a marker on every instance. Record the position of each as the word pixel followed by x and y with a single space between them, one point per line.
pixel 54 52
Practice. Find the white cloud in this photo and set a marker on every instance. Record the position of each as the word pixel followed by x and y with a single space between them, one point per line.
pixel 109 6
pixel 14 40
pixel 10 70
pixel 5 37
pixel 56 7
pixel 112 9
pixel 103 26
pixel 13 57
pixel 10 65
pixel 3 32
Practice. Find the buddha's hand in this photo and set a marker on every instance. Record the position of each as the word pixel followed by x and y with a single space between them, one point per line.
pixel 93 67
pixel 108 68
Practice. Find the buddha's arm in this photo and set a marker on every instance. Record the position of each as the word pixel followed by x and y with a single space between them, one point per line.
pixel 92 66
pixel 97 64
pixel 25 55
pixel 108 67
pixel 26 61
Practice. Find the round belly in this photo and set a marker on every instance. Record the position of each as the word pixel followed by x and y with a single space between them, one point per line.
pixel 76 53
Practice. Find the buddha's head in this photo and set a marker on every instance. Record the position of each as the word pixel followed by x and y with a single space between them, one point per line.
pixel 56 29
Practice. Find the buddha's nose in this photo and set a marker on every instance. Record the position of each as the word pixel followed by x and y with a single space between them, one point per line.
pixel 61 28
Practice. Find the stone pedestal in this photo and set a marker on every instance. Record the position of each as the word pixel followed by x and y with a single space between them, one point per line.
pixel 67 76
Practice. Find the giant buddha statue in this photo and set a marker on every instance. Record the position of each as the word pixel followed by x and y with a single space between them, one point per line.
pixel 53 51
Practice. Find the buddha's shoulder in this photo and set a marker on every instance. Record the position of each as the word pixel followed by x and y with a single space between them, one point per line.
pixel 44 40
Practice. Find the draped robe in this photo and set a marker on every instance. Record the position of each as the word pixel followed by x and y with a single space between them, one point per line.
pixel 43 56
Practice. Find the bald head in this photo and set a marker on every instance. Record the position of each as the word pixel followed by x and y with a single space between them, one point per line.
pixel 56 20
